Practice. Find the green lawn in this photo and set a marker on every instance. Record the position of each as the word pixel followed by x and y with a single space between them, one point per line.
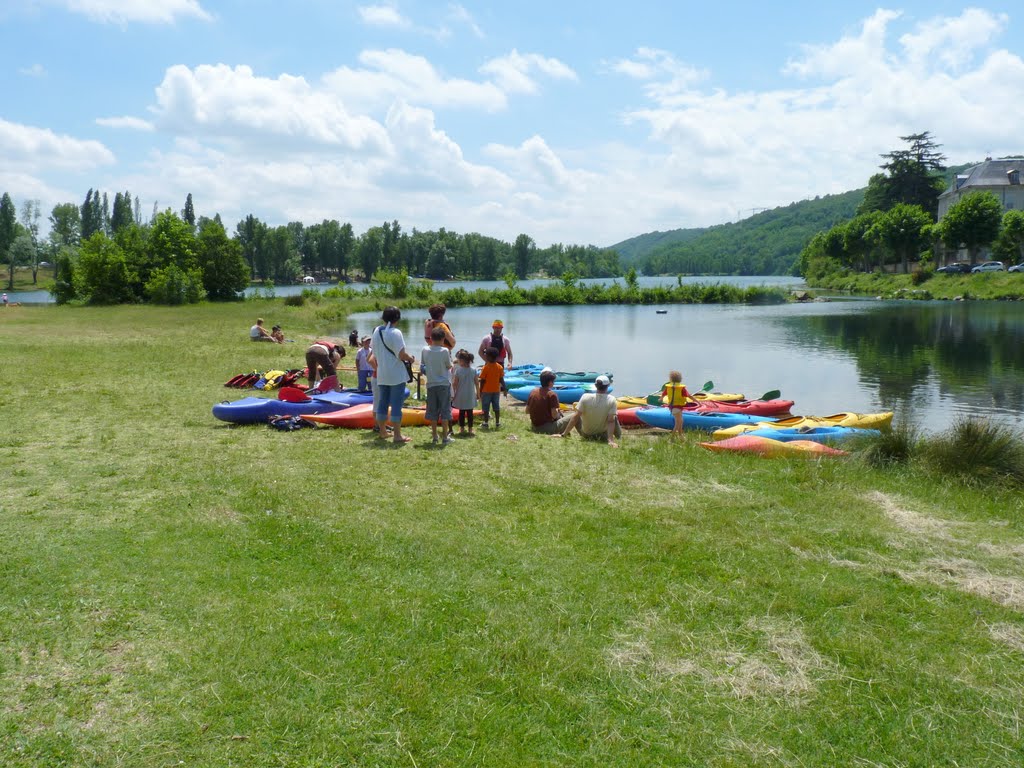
pixel 177 591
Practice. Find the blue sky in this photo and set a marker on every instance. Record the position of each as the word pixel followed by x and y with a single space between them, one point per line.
pixel 574 122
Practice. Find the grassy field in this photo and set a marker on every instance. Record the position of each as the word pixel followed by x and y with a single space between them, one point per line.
pixel 177 591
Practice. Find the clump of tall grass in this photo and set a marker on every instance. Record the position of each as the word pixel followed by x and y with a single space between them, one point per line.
pixel 897 446
pixel 977 451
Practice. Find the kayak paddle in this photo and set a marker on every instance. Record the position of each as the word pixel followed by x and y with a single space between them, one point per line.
pixel 771 394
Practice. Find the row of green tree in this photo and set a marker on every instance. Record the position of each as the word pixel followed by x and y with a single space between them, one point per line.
pixel 86 241
pixel 896 222
pixel 332 249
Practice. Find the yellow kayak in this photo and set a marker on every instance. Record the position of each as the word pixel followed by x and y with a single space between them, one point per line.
pixel 721 397
pixel 844 419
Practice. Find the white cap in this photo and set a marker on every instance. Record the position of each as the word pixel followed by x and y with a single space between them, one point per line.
pixel 603 380
pixel 546 369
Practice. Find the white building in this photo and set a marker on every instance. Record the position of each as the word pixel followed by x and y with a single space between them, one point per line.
pixel 1000 177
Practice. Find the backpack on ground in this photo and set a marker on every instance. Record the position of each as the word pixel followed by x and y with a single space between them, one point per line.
pixel 289 423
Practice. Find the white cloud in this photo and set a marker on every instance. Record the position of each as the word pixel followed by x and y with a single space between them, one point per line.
pixel 460 15
pixel 746 149
pixel 36 149
pixel 382 16
pixel 953 40
pixel 535 162
pixel 36 70
pixel 235 105
pixel 390 75
pixel 665 75
pixel 512 72
pixel 126 121
pixel 144 11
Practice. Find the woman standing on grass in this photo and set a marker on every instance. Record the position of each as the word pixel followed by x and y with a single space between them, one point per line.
pixel 388 346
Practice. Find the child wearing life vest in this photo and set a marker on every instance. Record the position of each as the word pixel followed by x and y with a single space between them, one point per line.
pixel 675 395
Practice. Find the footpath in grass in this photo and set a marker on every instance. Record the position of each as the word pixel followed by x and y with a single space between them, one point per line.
pixel 176 590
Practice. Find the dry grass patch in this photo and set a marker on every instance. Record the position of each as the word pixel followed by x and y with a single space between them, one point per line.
pixel 768 657
pixel 1008 634
pixel 967 576
pixel 918 525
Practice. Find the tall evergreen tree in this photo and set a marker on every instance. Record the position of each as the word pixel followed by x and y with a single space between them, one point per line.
pixel 88 221
pixel 8 218
pixel 188 214
pixel 912 176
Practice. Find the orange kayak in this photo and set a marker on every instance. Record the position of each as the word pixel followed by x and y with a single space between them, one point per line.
pixel 361 417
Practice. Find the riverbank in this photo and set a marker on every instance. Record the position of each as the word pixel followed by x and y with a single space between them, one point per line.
pixel 1001 286
pixel 179 590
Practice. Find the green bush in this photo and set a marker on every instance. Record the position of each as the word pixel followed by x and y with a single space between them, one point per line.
pixel 298 300
pixel 891 447
pixel 977 451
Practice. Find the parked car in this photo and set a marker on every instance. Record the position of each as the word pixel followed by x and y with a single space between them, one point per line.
pixel 989 266
pixel 956 268
pixel 1017 268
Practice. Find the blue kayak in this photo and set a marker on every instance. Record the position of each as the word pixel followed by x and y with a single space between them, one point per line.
pixel 709 422
pixel 814 434
pixel 566 377
pixel 567 393
pixel 258 410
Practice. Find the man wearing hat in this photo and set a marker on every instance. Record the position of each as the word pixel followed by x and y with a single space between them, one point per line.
pixel 497 339
pixel 596 415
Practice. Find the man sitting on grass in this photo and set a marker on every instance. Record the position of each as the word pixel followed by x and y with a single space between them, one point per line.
pixel 596 416
pixel 542 405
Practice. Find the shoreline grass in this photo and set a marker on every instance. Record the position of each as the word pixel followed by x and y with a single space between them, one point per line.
pixel 180 590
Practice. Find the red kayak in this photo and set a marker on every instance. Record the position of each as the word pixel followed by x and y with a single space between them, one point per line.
pixel 628 417
pixel 749 407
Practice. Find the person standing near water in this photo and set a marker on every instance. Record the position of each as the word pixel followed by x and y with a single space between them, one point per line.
pixel 388 345
pixel 497 339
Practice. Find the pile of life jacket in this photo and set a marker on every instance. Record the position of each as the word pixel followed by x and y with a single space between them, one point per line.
pixel 267 381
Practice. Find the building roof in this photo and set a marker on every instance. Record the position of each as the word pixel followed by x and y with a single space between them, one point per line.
pixel 991 173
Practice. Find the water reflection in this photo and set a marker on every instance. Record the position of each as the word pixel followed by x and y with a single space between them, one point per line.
pixel 971 355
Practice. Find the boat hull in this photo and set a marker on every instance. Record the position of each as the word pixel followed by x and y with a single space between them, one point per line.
pixel 763 446
pixel 843 419
pixel 362 417
pixel 259 410
pixel 708 422
pixel 814 434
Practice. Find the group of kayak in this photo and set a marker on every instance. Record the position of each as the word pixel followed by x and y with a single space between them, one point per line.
pixel 762 425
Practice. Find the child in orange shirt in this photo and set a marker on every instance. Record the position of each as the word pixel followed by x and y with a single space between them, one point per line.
pixel 490 385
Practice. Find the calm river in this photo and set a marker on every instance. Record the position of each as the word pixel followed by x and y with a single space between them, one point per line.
pixel 930 362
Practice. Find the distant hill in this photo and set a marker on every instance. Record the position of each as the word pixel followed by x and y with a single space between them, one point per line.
pixel 635 247
pixel 768 243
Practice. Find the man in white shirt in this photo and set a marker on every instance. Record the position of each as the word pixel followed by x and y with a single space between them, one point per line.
pixel 596 415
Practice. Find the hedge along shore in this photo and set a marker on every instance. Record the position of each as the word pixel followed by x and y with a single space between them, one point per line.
pixel 998 286
pixel 177 590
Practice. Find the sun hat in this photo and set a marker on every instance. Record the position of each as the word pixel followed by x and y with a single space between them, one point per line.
pixel 497 324
pixel 603 380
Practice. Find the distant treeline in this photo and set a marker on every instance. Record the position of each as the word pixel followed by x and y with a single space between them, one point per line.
pixel 396 286
pixel 106 253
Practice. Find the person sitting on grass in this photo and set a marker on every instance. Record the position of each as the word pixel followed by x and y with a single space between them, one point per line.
pixel 277 334
pixel 542 406
pixel 436 361
pixel 596 415
pixel 259 333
